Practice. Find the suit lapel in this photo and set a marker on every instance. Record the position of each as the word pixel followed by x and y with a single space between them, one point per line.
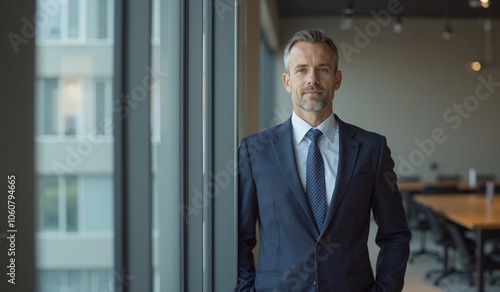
pixel 348 154
pixel 285 153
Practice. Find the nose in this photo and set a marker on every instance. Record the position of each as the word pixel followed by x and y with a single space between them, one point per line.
pixel 312 78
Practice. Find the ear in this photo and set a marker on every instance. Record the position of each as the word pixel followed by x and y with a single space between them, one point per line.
pixel 338 79
pixel 286 82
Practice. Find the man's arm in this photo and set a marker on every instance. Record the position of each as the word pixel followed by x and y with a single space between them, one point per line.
pixel 247 217
pixel 393 236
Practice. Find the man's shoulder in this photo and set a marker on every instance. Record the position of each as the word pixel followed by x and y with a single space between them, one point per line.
pixel 269 133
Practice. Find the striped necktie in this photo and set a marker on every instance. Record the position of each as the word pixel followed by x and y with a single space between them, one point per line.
pixel 315 179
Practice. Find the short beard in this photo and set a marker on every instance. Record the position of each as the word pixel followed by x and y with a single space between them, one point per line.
pixel 316 106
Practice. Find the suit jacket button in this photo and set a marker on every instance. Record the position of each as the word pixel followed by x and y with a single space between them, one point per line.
pixel 313 282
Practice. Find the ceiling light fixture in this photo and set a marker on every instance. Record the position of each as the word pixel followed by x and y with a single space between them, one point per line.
pixel 447 32
pixel 488 42
pixel 475 66
pixel 397 27
pixel 346 21
pixel 349 9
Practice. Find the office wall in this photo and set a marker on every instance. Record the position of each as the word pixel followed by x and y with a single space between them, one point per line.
pixel 416 89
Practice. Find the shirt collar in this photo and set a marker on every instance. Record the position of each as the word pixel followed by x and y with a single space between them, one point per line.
pixel 300 127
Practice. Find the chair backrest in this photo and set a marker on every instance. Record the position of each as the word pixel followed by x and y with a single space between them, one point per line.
pixel 440 234
pixel 449 177
pixel 414 214
pixel 485 177
pixel 413 178
pixel 482 189
pixel 465 250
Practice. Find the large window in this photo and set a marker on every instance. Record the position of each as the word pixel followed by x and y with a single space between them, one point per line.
pixel 48 203
pixel 119 170
pixel 76 281
pixel 58 199
pixel 74 146
pixel 69 204
pixel 74 20
pixel 73 106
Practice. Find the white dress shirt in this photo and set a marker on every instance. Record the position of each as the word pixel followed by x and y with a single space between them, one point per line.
pixel 328 145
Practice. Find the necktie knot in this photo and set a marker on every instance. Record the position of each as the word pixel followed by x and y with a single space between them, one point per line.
pixel 314 135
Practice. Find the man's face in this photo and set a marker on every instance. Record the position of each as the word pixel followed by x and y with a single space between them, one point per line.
pixel 312 79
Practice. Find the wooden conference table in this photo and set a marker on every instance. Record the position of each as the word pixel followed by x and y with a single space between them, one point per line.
pixel 470 211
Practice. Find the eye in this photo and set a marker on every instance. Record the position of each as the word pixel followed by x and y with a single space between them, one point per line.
pixel 324 69
pixel 301 70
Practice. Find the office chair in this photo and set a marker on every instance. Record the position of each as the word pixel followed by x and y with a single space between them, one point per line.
pixel 449 178
pixel 417 221
pixel 482 189
pixel 483 178
pixel 439 233
pixel 442 237
pixel 466 253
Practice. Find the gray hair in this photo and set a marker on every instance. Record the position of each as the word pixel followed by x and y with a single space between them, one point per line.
pixel 310 36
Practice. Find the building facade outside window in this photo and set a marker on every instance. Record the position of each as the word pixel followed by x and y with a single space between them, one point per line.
pixel 74 146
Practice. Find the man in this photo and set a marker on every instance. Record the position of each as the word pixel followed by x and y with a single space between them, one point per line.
pixel 314 207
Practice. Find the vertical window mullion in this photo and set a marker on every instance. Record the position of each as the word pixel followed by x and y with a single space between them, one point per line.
pixel 62 204
pixel 81 204
pixel 61 125
pixel 80 115
pixel 133 242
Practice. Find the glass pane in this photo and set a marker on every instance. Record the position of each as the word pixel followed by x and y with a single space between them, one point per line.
pixel 48 203
pixel 102 20
pixel 50 281
pixel 101 280
pixel 48 107
pixel 48 20
pixel 73 18
pixel 75 171
pixel 74 281
pixel 100 102
pixel 71 203
pixel 165 117
pixel 98 194
pixel 71 96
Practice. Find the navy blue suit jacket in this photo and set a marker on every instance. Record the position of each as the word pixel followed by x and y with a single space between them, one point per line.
pixel 293 254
